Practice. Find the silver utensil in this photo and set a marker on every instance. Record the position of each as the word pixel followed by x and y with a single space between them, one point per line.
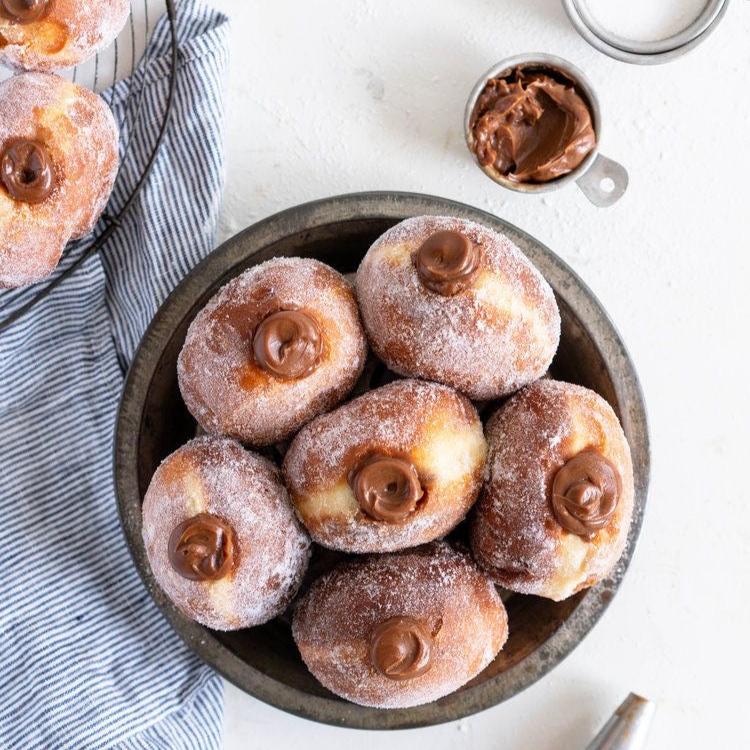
pixel 628 727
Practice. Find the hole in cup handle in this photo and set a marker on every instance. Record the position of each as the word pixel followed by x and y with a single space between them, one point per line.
pixel 605 182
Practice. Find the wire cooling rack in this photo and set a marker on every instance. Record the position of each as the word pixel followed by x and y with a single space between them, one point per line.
pixel 105 69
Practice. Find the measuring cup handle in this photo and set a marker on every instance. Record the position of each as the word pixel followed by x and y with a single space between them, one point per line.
pixel 605 182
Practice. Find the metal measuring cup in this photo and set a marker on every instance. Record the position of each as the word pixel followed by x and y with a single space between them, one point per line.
pixel 602 180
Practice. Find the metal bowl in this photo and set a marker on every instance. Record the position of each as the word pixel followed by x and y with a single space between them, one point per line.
pixel 153 422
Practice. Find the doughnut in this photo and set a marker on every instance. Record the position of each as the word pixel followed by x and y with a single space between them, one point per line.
pixel 402 629
pixel 394 468
pixel 274 348
pixel 450 300
pixel 58 162
pixel 554 515
pixel 221 536
pixel 47 35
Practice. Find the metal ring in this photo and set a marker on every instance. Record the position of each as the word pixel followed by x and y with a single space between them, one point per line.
pixel 644 53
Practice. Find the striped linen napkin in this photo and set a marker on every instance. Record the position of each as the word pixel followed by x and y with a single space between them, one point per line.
pixel 86 660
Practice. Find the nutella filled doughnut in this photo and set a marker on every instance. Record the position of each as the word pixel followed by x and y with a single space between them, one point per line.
pixel 399 630
pixel 397 467
pixel 275 347
pixel 58 162
pixel 221 536
pixel 554 515
pixel 47 35
pixel 450 300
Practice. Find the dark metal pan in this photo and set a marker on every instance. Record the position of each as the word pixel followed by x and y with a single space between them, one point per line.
pixel 153 422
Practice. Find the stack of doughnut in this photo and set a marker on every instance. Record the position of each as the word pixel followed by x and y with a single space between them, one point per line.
pixel 461 320
pixel 59 150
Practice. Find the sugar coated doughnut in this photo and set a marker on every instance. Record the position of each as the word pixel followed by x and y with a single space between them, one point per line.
pixel 275 347
pixel 58 162
pixel 221 536
pixel 451 300
pixel 554 515
pixel 47 35
pixel 394 468
pixel 400 630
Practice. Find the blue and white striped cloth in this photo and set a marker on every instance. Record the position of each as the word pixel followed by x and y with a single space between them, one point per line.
pixel 86 660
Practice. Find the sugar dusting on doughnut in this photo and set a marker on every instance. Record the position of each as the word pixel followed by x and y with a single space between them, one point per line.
pixel 70 33
pixel 80 132
pixel 489 340
pixel 437 586
pixel 217 476
pixel 331 436
pixel 222 386
pixel 431 425
pixel 515 535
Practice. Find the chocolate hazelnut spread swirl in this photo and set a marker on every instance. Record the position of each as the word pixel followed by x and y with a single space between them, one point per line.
pixel 400 648
pixel 288 344
pixel 447 262
pixel 24 11
pixel 386 488
pixel 27 171
pixel 585 493
pixel 202 548
pixel 531 127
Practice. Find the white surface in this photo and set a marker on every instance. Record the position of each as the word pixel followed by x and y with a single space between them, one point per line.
pixel 334 96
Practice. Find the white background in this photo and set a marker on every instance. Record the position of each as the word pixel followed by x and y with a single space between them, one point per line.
pixel 330 97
